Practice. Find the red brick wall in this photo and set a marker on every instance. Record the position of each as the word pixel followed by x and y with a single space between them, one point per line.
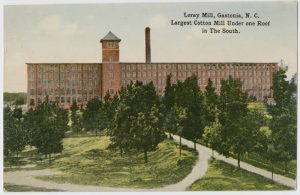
pixel 110 67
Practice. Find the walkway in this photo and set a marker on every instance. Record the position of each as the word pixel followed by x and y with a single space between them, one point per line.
pixel 277 178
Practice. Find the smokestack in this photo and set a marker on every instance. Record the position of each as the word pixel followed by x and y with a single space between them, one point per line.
pixel 148 47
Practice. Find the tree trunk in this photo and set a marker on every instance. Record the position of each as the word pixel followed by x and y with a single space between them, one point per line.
pixel 17 155
pixel 239 160
pixel 49 158
pixel 45 155
pixel 194 145
pixel 179 146
pixel 145 156
pixel 212 153
pixel 121 151
pixel 169 135
pixel 285 167
pixel 272 172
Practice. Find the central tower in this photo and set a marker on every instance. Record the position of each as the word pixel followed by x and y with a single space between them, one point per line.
pixel 111 70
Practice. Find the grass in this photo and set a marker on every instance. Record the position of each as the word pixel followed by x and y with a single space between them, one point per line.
pixel 22 188
pixel 258 161
pixel 28 156
pixel 86 160
pixel 224 177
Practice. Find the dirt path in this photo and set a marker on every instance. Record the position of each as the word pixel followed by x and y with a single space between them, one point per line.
pixel 199 170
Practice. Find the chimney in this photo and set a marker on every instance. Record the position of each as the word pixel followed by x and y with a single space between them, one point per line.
pixel 148 47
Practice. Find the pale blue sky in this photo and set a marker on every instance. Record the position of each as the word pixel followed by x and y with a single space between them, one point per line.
pixel 71 33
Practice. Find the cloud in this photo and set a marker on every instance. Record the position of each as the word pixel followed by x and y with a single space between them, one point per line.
pixel 54 24
pixel 158 21
pixel 70 28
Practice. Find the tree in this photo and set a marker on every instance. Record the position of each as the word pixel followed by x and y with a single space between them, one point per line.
pixel 90 119
pixel 233 110
pixel 267 148
pixel 212 135
pixel 14 135
pixel 284 117
pixel 246 138
pixel 147 131
pixel 109 108
pixel 137 120
pixel 19 101
pixel 188 95
pixel 211 100
pixel 168 99
pixel 174 122
pixel 49 126
pixel 76 121
pixel 120 134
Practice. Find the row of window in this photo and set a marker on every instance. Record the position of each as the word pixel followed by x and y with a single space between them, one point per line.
pixel 66 83
pixel 67 67
pixel 68 99
pixel 201 81
pixel 188 74
pixel 244 80
pixel 194 66
pixel 56 75
pixel 63 91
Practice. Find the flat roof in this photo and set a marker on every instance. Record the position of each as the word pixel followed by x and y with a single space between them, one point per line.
pixel 156 63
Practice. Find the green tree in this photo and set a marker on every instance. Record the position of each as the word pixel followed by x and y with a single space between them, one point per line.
pixel 120 134
pixel 284 117
pixel 233 110
pixel 168 99
pixel 188 95
pixel 174 122
pixel 75 117
pixel 212 135
pixel 50 125
pixel 147 131
pixel 109 108
pixel 211 100
pixel 14 135
pixel 90 119
pixel 136 121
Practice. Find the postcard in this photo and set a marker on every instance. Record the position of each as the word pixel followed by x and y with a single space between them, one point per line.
pixel 150 96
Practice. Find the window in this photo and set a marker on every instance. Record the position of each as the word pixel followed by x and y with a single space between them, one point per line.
pixel 111 83
pixel 111 67
pixel 73 99
pixel 111 91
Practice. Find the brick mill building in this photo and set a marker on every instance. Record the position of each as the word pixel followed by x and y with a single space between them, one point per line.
pixel 80 82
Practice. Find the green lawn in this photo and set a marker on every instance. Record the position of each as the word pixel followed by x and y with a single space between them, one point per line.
pixel 258 161
pixel 20 188
pixel 224 177
pixel 86 160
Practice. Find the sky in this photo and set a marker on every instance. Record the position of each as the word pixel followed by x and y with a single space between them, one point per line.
pixel 71 33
